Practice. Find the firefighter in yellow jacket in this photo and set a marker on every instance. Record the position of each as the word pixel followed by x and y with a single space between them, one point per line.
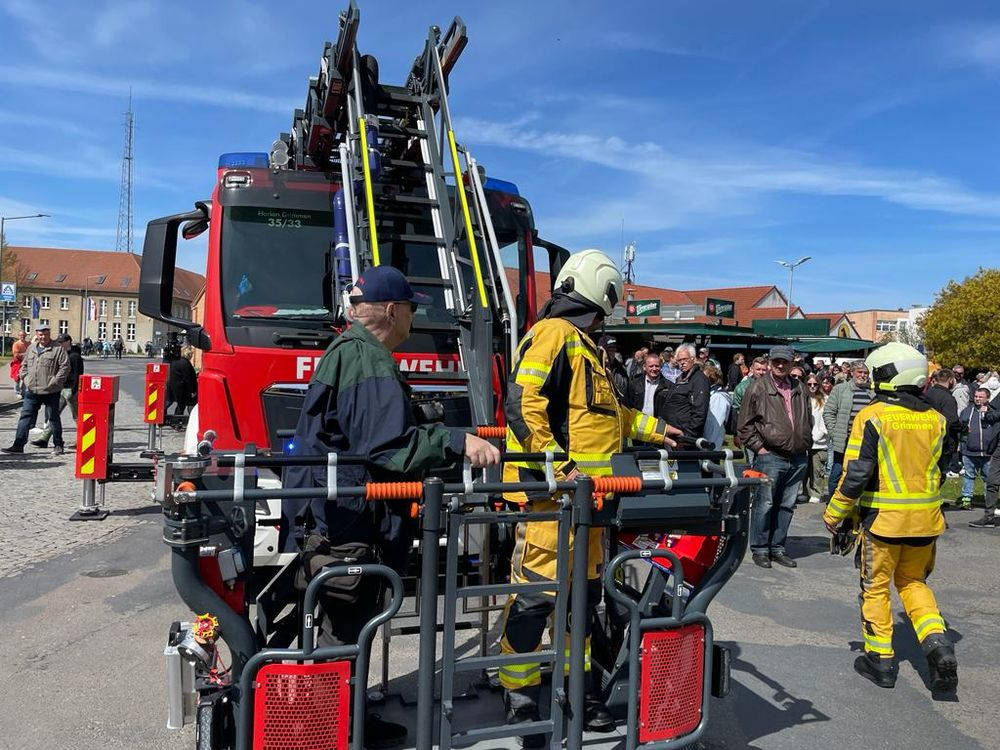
pixel 560 398
pixel 891 485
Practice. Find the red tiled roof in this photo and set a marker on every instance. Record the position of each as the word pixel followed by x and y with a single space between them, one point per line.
pixel 745 298
pixel 59 268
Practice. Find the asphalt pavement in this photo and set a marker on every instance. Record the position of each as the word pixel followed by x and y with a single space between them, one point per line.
pixel 85 607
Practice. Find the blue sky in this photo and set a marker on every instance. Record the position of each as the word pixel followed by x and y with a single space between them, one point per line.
pixel 725 134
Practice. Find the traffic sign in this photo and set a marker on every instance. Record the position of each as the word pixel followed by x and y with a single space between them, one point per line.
pixel 643 308
pixel 8 291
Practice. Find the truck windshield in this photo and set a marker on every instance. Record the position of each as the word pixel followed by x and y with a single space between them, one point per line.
pixel 273 262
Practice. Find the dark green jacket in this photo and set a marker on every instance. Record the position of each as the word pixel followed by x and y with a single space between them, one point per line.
pixel 358 404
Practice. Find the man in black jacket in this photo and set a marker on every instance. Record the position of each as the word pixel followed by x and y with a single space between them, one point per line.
pixel 182 383
pixel 619 376
pixel 940 398
pixel 990 519
pixel 735 373
pixel 641 389
pixel 684 404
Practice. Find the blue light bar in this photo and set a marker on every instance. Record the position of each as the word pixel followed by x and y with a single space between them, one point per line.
pixel 502 186
pixel 243 159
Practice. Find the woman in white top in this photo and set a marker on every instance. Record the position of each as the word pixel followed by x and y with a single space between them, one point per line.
pixel 816 470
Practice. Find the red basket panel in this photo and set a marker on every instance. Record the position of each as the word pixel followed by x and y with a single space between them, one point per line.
pixel 302 706
pixel 672 675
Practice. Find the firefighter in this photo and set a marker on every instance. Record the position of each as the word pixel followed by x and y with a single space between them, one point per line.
pixel 561 399
pixel 891 484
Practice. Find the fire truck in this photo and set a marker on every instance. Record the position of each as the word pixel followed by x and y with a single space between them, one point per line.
pixel 370 173
pixel 373 173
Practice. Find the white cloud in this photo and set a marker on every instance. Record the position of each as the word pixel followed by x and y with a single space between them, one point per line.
pixel 90 83
pixel 709 178
pixel 972 44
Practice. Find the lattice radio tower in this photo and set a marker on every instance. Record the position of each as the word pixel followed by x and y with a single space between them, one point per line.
pixel 629 262
pixel 123 235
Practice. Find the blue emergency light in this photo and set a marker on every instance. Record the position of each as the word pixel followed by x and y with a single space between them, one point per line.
pixel 243 159
pixel 501 186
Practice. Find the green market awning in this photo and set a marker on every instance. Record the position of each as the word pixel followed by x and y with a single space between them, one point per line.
pixel 832 345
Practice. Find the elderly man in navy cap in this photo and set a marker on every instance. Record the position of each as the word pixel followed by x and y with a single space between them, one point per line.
pixel 359 404
pixel 775 425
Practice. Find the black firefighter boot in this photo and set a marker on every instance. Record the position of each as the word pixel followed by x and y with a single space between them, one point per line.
pixel 942 663
pixel 520 711
pixel 596 716
pixel 880 671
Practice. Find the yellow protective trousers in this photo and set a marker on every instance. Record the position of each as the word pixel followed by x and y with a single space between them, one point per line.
pixel 907 566
pixel 525 620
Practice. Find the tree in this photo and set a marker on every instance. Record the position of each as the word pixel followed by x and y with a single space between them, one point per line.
pixel 963 324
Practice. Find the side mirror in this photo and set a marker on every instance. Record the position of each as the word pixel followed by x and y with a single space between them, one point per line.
pixel 156 277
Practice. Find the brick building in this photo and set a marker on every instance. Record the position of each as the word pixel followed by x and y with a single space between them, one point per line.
pixel 61 280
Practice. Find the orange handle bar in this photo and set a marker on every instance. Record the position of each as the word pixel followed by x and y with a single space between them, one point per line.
pixel 490 431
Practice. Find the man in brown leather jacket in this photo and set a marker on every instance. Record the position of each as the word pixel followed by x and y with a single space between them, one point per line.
pixel 775 427
pixel 43 373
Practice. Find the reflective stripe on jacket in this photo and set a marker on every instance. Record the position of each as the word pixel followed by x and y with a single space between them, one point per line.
pixel 560 399
pixel 891 470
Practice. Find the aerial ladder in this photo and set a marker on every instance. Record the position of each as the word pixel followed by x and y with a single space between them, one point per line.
pixel 415 199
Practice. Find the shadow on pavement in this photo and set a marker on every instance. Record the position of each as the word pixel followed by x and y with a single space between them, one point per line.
pixel 759 716
pixel 149 510
pixel 799 547
pixel 24 462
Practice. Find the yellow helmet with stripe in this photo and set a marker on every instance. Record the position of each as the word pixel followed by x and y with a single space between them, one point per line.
pixel 895 366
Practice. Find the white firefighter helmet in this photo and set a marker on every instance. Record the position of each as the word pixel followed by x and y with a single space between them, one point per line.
pixel 591 276
pixel 896 365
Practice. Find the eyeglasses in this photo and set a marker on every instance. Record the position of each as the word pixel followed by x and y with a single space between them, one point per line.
pixel 812 384
pixel 682 359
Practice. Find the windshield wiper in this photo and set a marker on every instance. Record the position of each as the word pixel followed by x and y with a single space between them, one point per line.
pixel 325 315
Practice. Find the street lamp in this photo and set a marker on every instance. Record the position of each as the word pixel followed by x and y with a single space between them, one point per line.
pixel 4 220
pixel 791 279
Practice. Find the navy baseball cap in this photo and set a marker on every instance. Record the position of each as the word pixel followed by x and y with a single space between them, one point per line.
pixel 386 284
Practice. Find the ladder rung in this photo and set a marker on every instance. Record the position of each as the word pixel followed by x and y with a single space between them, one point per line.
pixel 413 200
pixel 480 734
pixel 407 164
pixel 392 109
pixel 410 133
pixel 502 589
pixel 427 239
pixel 429 281
pixel 479 663
pixel 398 94
pixel 396 129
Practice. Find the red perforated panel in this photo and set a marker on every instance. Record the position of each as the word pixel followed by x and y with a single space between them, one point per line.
pixel 302 706
pixel 672 682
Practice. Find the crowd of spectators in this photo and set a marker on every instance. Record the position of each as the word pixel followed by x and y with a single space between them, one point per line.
pixel 793 415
